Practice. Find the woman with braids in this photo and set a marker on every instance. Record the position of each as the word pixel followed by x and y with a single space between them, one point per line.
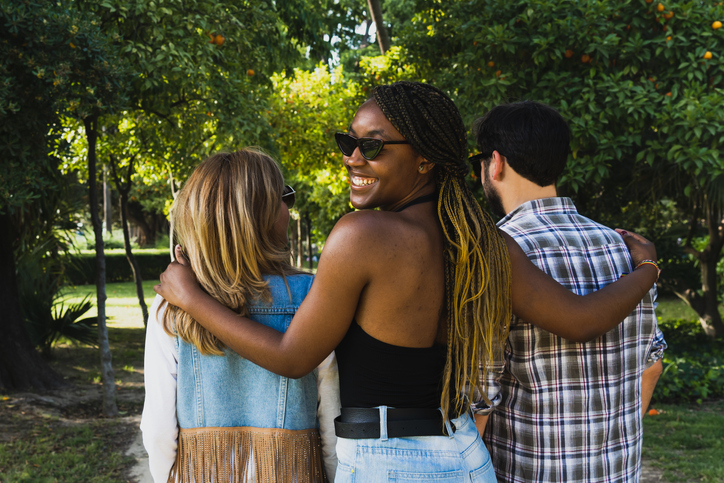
pixel 412 297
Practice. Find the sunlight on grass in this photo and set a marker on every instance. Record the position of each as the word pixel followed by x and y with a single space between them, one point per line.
pixel 122 308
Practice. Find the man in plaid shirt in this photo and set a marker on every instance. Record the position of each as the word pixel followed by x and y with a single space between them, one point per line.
pixel 561 411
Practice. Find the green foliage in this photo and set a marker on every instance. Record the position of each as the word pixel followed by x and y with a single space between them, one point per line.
pixel 607 66
pixel 306 110
pixel 83 270
pixel 693 364
pixel 54 59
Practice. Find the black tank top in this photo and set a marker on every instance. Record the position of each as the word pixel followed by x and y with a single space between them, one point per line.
pixel 373 373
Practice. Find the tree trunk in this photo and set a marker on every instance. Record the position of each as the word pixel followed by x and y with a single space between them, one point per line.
pixel 292 242
pixel 124 188
pixel 308 224
pixel 300 246
pixel 107 202
pixel 21 366
pixel 110 409
pixel 132 259
pixel 383 39
pixel 706 305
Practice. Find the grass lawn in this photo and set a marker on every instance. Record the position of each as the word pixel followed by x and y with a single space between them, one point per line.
pixel 42 443
pixel 122 309
pixel 687 442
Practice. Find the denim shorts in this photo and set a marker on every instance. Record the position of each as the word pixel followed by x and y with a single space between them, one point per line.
pixel 461 457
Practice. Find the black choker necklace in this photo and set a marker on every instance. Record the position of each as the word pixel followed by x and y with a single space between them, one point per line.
pixel 421 199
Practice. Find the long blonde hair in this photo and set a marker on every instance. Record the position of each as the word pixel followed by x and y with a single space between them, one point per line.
pixel 224 219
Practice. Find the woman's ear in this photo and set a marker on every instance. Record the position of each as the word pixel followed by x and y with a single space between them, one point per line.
pixel 425 166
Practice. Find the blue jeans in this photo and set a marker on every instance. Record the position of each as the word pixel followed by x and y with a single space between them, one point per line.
pixel 461 457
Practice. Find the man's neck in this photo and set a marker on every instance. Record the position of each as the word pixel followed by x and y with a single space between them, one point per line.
pixel 525 191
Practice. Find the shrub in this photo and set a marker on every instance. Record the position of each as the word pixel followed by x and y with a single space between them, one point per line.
pixel 83 269
pixel 693 363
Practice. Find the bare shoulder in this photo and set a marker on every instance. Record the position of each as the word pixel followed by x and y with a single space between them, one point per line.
pixel 366 238
pixel 360 228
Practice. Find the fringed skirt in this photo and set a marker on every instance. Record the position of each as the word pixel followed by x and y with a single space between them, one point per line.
pixel 245 454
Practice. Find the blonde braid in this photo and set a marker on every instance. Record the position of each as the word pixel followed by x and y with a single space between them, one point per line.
pixel 477 266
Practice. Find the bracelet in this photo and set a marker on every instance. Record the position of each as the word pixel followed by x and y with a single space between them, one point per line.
pixel 650 262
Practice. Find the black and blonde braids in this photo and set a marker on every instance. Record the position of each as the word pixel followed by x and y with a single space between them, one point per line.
pixel 477 265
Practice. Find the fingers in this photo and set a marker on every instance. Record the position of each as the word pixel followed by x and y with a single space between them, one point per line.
pixel 631 234
pixel 157 289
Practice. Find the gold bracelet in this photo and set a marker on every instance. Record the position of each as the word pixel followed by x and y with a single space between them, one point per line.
pixel 650 262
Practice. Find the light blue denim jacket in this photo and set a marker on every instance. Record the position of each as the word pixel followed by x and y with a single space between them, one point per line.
pixel 230 391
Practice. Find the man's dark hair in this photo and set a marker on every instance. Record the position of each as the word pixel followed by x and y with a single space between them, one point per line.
pixel 533 137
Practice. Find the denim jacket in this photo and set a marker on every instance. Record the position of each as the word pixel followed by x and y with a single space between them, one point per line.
pixel 223 391
pixel 232 414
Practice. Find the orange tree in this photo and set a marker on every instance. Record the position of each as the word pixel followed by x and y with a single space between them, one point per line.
pixel 306 109
pixel 640 83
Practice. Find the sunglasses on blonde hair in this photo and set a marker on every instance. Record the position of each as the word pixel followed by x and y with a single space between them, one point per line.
pixel 288 196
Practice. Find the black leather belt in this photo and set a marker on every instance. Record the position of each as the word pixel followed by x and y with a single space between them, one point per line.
pixel 363 423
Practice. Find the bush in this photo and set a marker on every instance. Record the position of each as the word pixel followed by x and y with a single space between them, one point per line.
pixel 693 363
pixel 83 269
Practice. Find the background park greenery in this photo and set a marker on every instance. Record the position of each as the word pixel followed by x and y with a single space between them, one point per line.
pixel 126 97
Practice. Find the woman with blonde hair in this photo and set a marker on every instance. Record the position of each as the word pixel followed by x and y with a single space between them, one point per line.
pixel 414 297
pixel 210 415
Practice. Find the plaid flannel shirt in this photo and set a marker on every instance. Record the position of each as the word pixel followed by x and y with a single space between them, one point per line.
pixel 564 411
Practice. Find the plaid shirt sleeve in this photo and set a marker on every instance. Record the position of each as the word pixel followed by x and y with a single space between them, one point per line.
pixel 658 346
pixel 491 385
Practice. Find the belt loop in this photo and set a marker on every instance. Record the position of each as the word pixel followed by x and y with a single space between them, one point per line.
pixel 448 426
pixel 383 423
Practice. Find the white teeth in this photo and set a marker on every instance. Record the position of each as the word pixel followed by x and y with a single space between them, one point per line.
pixel 357 181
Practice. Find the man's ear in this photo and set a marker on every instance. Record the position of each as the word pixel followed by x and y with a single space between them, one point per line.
pixel 497 166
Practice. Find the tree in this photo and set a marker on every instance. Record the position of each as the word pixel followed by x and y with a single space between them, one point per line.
pixel 306 110
pixel 53 60
pixel 383 38
pixel 639 83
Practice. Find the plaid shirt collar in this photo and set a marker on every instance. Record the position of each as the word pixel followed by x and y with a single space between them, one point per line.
pixel 547 206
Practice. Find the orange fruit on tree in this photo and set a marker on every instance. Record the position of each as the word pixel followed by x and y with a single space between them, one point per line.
pixel 660 7
pixel 716 25
pixel 668 38
pixel 497 73
pixel 649 1
pixel 653 412
pixel 585 58
pixel 475 42
pixel 491 64
pixel 219 40
pixel 707 55
pixel 669 15
pixel 569 54
pixel 668 94
pixel 250 72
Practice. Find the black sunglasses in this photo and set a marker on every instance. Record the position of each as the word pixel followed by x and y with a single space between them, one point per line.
pixel 475 162
pixel 288 196
pixel 369 148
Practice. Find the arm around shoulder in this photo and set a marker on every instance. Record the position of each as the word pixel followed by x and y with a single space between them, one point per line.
pixel 542 301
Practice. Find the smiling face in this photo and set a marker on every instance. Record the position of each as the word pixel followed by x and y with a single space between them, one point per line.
pixel 392 178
